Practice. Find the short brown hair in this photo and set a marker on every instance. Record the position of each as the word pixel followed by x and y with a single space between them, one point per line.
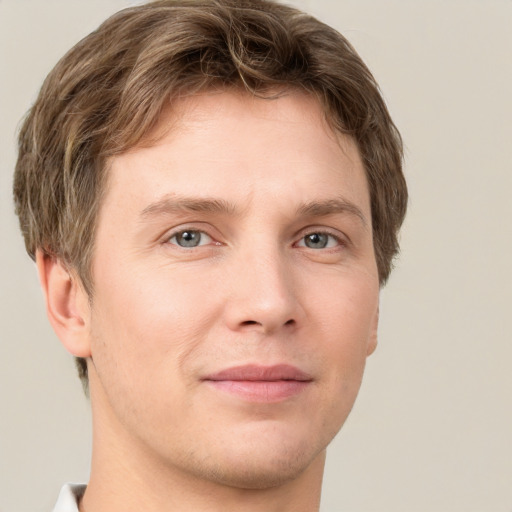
pixel 108 91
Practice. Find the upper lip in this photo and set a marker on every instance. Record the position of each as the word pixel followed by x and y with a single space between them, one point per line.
pixel 253 372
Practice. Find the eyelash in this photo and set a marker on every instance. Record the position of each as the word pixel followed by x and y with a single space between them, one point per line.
pixel 340 242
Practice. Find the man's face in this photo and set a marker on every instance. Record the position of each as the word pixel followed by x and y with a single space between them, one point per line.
pixel 236 290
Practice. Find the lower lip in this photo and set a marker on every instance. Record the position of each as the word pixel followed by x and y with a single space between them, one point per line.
pixel 261 391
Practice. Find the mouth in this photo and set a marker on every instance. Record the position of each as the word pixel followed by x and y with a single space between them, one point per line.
pixel 256 383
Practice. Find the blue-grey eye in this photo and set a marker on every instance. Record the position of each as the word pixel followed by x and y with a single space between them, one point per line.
pixel 190 238
pixel 318 241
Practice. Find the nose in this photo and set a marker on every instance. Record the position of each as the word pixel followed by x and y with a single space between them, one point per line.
pixel 262 294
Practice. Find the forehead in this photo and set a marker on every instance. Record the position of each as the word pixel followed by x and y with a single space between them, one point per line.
pixel 237 146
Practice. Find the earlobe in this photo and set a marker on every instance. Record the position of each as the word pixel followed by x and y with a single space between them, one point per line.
pixel 372 342
pixel 67 305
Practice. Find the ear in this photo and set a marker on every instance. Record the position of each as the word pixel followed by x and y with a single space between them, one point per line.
pixel 67 304
pixel 372 342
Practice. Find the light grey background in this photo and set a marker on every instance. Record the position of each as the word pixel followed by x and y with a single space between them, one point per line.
pixel 432 428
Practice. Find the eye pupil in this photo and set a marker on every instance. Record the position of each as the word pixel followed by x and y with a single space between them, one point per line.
pixel 188 238
pixel 316 240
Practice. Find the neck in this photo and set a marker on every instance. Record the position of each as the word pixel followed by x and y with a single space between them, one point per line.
pixel 123 486
pixel 134 492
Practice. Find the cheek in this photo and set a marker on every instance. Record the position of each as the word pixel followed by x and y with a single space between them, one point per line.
pixel 346 309
pixel 146 325
pixel 143 334
pixel 347 321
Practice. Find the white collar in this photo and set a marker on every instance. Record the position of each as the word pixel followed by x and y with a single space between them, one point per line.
pixel 68 498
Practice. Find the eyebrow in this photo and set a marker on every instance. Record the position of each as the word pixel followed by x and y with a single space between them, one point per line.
pixel 331 207
pixel 173 204
pixel 178 204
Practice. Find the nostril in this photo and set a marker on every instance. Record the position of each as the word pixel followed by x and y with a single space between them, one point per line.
pixel 266 326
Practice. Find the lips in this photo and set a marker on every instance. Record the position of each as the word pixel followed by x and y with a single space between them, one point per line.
pixel 260 383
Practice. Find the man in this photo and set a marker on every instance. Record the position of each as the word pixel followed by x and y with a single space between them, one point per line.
pixel 212 192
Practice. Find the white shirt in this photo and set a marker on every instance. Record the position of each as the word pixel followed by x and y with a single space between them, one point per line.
pixel 68 498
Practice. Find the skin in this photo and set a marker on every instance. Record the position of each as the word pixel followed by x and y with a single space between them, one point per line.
pixel 262 184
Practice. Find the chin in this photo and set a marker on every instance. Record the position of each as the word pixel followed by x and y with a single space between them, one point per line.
pixel 261 466
pixel 247 474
